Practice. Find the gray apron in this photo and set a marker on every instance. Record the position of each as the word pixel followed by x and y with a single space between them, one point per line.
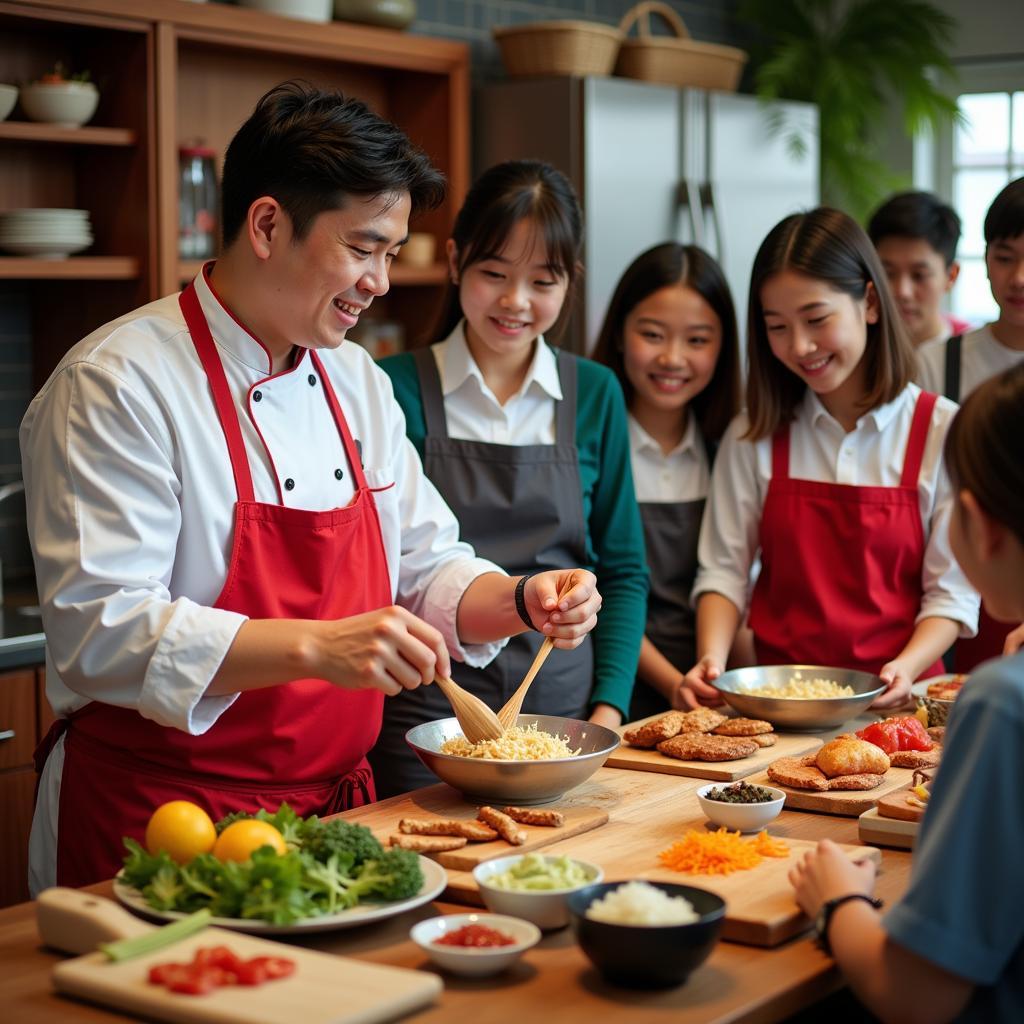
pixel 520 506
pixel 671 529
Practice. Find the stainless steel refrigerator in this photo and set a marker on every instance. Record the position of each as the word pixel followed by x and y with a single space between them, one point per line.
pixel 654 163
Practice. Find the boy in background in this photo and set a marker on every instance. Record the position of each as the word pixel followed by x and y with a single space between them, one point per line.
pixel 915 235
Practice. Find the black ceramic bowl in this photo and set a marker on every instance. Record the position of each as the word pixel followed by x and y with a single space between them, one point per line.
pixel 647 956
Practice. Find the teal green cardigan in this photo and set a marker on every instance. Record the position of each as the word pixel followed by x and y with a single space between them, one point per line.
pixel 615 543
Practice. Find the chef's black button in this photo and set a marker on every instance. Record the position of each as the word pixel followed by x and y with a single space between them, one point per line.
pixel 289 484
pixel 312 380
pixel 338 474
pixel 257 396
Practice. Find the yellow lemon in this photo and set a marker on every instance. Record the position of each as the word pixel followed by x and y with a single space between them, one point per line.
pixel 241 838
pixel 182 829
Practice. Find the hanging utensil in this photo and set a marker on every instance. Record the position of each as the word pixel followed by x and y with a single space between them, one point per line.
pixel 478 721
pixel 508 715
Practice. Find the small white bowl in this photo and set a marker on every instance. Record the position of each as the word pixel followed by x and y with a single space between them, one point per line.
pixel 744 817
pixel 546 908
pixel 474 962
pixel 8 97
pixel 65 103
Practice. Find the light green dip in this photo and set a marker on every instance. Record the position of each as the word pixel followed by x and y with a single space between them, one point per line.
pixel 536 873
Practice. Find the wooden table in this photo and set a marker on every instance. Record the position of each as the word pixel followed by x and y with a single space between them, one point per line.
pixel 554 980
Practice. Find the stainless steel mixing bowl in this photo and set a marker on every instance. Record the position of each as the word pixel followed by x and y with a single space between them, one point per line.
pixel 789 713
pixel 515 782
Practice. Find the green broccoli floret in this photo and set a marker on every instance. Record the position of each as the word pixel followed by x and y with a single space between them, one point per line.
pixel 329 882
pixel 343 838
pixel 394 875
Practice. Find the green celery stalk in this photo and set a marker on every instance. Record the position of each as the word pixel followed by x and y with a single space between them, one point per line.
pixel 125 949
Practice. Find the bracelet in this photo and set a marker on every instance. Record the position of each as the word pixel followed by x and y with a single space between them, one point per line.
pixel 521 600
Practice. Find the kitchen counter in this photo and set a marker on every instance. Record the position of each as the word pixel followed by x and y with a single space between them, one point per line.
pixel 554 980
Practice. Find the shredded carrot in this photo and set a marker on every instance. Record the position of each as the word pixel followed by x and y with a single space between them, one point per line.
pixel 720 853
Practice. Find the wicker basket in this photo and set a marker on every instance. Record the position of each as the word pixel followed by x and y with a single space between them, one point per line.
pixel 675 61
pixel 558 48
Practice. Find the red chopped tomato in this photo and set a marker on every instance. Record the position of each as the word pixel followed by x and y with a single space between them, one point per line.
pixel 214 966
pixel 218 956
pixel 475 935
pixel 905 732
pixel 274 966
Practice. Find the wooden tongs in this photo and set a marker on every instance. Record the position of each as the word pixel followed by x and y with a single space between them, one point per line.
pixel 478 721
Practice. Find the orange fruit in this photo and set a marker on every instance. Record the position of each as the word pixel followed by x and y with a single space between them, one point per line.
pixel 241 838
pixel 181 828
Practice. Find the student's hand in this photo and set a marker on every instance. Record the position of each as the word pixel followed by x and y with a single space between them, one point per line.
pixel 606 715
pixel 389 649
pixel 695 688
pixel 1014 641
pixel 569 620
pixel 898 681
pixel 825 873
pixel 680 695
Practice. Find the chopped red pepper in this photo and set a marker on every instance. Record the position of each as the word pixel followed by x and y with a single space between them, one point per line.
pixel 214 966
pixel 904 732
pixel 475 935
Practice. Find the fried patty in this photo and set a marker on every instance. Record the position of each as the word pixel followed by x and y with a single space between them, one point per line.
pixel 803 773
pixel 651 733
pixel 701 747
pixel 743 727
pixel 701 720
pixel 916 758
pixel 765 739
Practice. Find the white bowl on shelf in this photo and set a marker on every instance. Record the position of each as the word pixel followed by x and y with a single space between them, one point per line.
pixel 306 10
pixel 64 103
pixel 474 962
pixel 45 249
pixel 8 97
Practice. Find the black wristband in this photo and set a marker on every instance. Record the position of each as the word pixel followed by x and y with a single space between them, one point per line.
pixel 521 601
pixel 829 907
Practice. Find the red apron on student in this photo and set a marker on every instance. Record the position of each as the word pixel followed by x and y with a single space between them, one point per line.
pixel 304 741
pixel 840 583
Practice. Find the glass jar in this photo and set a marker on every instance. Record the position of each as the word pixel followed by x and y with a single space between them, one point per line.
pixel 197 216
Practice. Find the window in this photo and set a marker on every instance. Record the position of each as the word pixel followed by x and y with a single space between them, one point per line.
pixel 987 152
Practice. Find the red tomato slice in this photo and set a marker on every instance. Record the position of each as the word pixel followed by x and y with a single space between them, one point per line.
pixel 274 966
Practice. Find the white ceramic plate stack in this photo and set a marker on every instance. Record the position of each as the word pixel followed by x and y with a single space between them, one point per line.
pixel 45 234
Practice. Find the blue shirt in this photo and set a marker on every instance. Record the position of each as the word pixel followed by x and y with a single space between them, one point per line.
pixel 964 910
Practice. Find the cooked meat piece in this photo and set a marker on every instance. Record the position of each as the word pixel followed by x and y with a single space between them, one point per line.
pixel 651 733
pixel 847 755
pixel 701 720
pixel 428 844
pixel 793 772
pixel 863 780
pixel 937 733
pixel 916 758
pixel 701 747
pixel 503 825
pixel 475 831
pixel 743 727
pixel 765 739
pixel 529 816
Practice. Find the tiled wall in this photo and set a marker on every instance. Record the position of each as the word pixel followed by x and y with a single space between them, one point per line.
pixel 711 21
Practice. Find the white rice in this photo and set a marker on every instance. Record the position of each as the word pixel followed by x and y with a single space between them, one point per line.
pixel 641 903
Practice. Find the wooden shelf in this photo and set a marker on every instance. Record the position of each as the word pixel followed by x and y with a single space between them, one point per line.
pixel 400 273
pixel 30 131
pixel 75 268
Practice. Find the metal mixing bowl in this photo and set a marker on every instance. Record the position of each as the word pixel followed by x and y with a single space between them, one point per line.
pixel 790 713
pixel 515 782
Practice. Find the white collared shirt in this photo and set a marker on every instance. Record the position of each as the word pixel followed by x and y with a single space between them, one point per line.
pixel 820 449
pixel 982 356
pixel 681 475
pixel 474 412
pixel 131 501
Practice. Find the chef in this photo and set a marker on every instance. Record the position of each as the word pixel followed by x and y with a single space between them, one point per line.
pixel 238 555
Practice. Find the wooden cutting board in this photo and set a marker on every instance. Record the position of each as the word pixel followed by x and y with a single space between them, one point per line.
pixel 324 989
pixel 443 802
pixel 849 803
pixel 643 760
pixel 873 827
pixel 760 908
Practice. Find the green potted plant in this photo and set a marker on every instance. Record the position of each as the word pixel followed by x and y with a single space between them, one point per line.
pixel 855 59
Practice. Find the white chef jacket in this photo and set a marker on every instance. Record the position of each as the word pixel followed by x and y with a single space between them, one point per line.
pixel 682 475
pixel 472 409
pixel 820 449
pixel 981 357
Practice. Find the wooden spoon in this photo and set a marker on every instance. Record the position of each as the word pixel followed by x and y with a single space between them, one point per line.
pixel 508 715
pixel 478 721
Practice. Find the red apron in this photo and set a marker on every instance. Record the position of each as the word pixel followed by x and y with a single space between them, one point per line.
pixel 303 741
pixel 840 583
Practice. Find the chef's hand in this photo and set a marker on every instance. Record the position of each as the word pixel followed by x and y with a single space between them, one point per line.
pixel 1014 641
pixel 897 679
pixel 389 649
pixel 695 688
pixel 825 873
pixel 606 715
pixel 569 620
